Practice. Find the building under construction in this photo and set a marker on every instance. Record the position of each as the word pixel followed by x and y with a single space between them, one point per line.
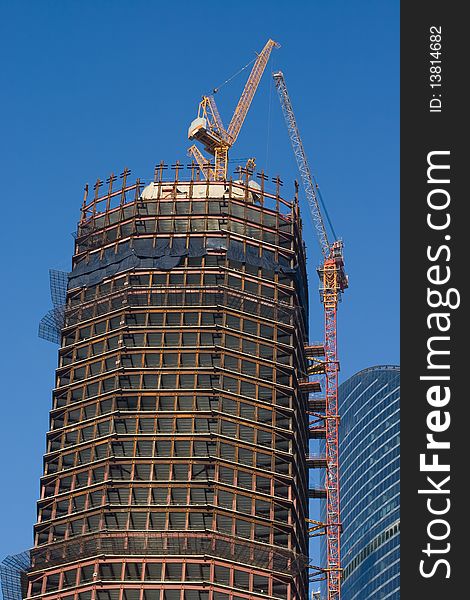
pixel 176 457
pixel 178 453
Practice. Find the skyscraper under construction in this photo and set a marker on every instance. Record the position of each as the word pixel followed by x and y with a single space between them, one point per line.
pixel 176 458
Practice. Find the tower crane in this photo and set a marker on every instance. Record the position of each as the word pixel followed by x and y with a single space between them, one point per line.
pixel 333 282
pixel 208 127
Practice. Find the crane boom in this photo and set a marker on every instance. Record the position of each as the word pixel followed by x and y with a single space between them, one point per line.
pixel 208 128
pixel 249 90
pixel 216 116
pixel 333 282
pixel 302 163
pixel 201 161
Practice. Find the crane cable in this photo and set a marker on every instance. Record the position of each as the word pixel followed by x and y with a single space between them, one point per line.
pixel 268 133
pixel 320 197
pixel 216 89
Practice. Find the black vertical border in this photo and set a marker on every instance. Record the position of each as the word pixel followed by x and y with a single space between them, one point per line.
pixel 423 132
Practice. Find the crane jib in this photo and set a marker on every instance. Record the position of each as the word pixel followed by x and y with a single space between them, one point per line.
pixel 208 128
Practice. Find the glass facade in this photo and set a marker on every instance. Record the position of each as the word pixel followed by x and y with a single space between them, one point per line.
pixel 369 475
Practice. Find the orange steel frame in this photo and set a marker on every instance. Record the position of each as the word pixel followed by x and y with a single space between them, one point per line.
pixel 120 205
pixel 330 297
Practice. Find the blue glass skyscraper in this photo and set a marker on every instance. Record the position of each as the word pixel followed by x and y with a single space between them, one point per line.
pixel 369 476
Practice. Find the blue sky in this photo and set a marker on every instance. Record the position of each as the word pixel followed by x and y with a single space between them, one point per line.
pixel 93 86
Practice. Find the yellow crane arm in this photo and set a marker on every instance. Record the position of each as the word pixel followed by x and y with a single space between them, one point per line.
pixel 202 162
pixel 208 128
pixel 249 91
pixel 216 117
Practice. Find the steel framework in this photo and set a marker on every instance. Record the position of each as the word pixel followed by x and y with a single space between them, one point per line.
pixel 176 457
pixel 333 282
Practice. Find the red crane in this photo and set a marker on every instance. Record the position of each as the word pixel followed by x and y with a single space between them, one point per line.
pixel 333 282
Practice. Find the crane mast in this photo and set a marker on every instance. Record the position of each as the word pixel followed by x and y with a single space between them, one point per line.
pixel 208 128
pixel 333 282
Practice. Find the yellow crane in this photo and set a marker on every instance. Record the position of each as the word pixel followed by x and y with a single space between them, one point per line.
pixel 208 127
